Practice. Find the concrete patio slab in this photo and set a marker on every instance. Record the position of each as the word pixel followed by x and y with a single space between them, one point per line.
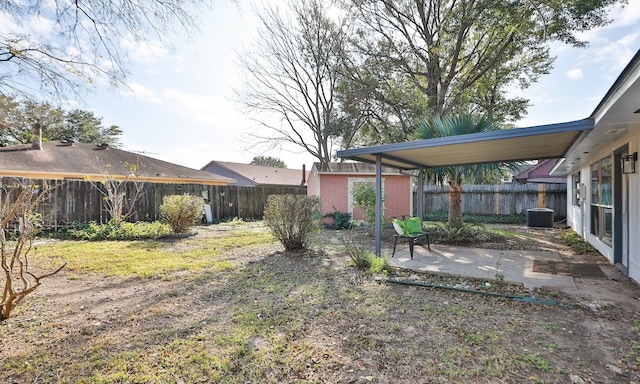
pixel 490 264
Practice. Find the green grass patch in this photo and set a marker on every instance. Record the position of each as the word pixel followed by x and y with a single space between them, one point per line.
pixel 151 258
pixel 573 240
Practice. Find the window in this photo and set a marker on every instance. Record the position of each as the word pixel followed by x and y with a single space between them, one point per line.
pixel 595 183
pixel 601 200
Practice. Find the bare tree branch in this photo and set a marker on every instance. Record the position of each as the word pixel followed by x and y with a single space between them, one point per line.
pixel 82 40
pixel 292 74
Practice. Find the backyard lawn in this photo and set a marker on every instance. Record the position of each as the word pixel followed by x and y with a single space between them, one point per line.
pixel 227 305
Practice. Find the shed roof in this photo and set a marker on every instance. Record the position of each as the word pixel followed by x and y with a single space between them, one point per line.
pixel 67 160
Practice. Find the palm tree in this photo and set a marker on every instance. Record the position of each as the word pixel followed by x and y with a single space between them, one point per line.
pixel 455 176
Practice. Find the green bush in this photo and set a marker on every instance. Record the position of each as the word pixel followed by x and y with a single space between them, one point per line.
pixel 341 220
pixel 364 196
pixel 360 257
pixel 293 219
pixel 122 231
pixel 469 233
pixel 181 212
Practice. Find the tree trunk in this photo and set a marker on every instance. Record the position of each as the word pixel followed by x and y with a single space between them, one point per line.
pixel 455 205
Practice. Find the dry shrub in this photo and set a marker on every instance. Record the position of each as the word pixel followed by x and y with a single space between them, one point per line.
pixel 181 212
pixel 293 219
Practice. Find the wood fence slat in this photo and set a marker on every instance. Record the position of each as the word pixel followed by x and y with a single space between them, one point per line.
pixel 81 201
pixel 503 199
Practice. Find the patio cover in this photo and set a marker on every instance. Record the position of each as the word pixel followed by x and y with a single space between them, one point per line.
pixel 532 143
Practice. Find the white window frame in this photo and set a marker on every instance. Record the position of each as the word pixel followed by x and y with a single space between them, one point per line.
pixel 352 181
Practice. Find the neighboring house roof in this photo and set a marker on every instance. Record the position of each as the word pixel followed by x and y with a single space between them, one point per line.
pixel 540 173
pixel 68 160
pixel 351 168
pixel 257 175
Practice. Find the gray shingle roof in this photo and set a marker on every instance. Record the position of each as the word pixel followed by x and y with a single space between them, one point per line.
pixel 60 160
pixel 256 174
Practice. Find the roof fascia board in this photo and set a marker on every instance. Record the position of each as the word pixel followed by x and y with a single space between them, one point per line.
pixel 99 178
pixel 360 174
pixel 555 167
pixel 627 77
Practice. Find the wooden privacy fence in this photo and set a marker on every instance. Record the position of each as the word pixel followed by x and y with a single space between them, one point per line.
pixel 81 201
pixel 503 199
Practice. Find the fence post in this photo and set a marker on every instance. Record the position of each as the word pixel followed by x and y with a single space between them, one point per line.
pixel 542 196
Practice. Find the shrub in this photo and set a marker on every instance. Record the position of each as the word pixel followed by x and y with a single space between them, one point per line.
pixel 362 258
pixel 469 233
pixel 356 251
pixel 181 212
pixel 122 231
pixel 364 196
pixel 293 219
pixel 341 220
pixel 20 201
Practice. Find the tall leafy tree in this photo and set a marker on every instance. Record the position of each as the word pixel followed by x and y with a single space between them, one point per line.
pixel 455 176
pixel 463 55
pixel 18 117
pixel 292 74
pixel 268 161
pixel 85 127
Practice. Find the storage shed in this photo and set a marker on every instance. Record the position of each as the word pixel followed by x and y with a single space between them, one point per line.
pixel 334 183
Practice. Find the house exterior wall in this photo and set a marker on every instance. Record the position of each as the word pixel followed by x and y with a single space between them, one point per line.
pixel 634 214
pixel 334 189
pixel 579 215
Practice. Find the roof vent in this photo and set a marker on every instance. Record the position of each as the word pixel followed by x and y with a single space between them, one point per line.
pixel 103 146
pixel 615 131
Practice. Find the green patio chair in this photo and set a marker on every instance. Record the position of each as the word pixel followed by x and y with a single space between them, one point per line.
pixel 409 228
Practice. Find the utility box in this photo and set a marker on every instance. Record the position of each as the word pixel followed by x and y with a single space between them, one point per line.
pixel 540 217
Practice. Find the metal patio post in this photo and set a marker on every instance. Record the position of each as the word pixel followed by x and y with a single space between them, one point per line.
pixel 378 221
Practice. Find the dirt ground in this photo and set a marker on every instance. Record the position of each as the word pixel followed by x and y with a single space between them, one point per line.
pixel 356 328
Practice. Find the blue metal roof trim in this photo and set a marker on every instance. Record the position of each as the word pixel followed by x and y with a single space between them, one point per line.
pixel 578 125
pixel 382 150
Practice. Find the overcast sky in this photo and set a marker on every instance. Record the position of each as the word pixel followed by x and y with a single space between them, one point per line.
pixel 180 106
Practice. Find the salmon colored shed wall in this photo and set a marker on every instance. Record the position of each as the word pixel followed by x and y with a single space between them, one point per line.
pixel 334 191
pixel 313 183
